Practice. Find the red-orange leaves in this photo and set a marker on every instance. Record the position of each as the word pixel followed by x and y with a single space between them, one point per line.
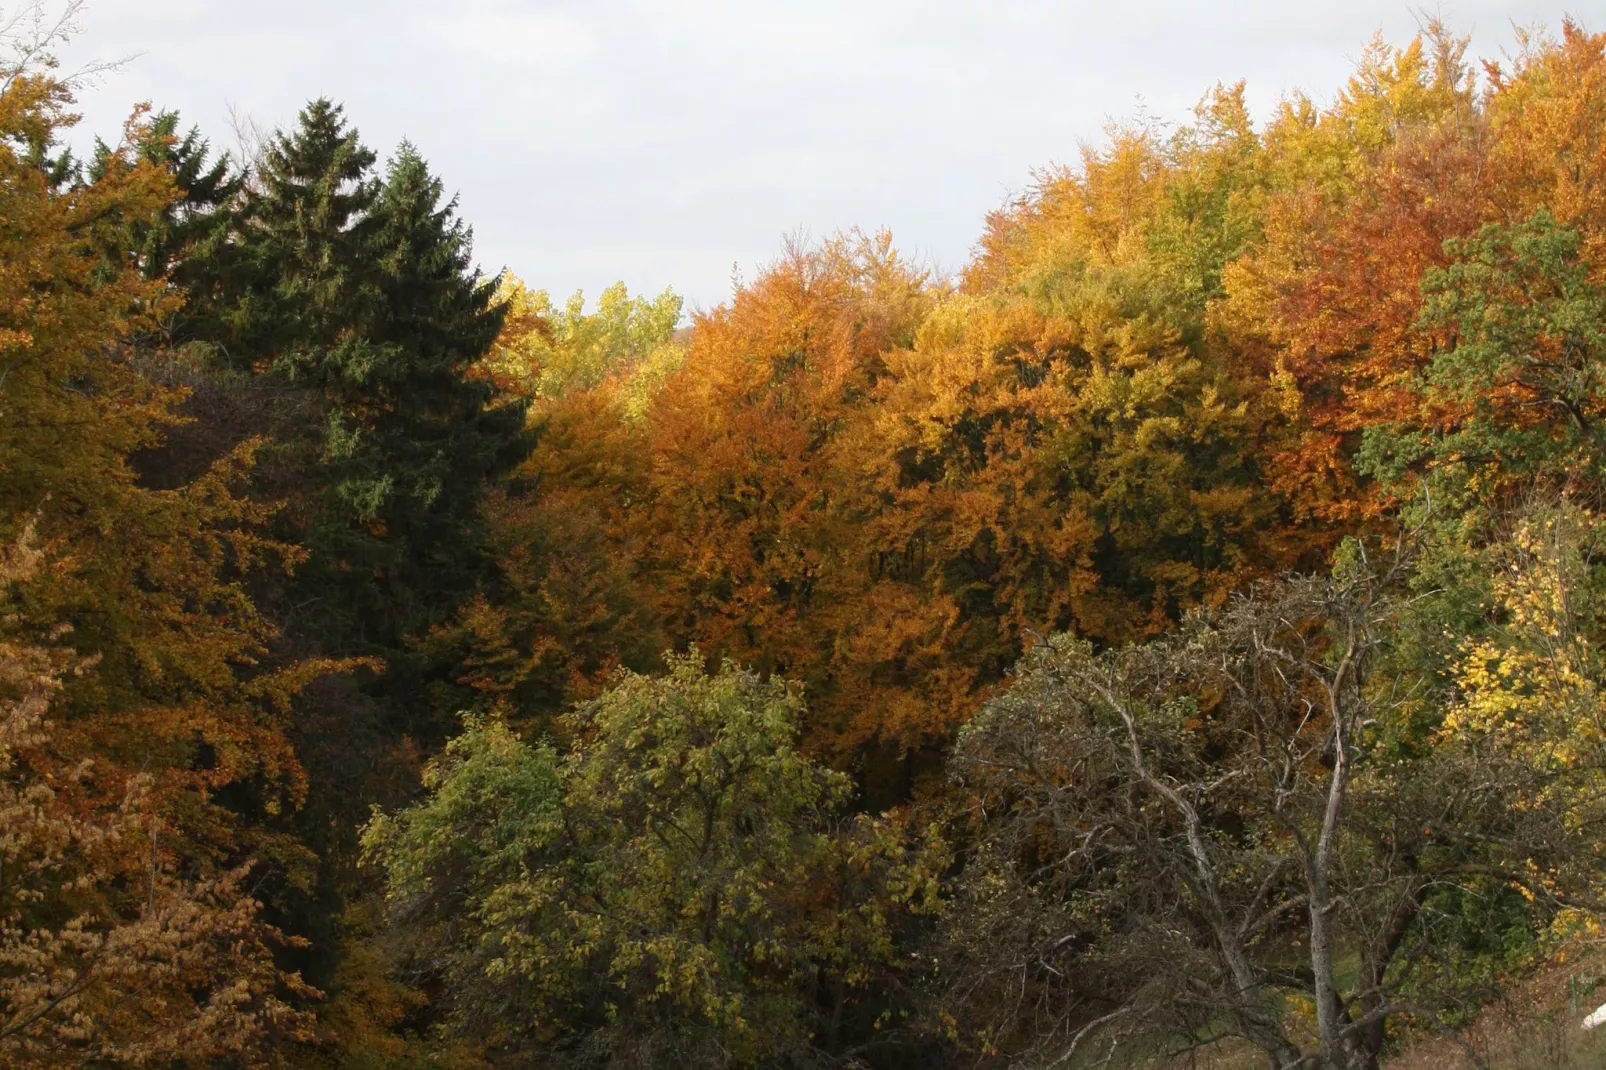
pixel 1365 196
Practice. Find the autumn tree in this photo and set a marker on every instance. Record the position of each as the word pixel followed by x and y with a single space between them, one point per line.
pixel 749 529
pixel 1362 198
pixel 1547 150
pixel 111 951
pixel 546 351
pixel 263 418
pixel 855 480
pixel 155 577
pixel 1184 204
pixel 156 584
pixel 1073 455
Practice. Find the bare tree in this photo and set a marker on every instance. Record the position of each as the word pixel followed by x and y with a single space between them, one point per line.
pixel 1245 830
pixel 32 34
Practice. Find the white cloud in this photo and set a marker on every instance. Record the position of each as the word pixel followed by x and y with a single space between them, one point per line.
pixel 659 140
pixel 509 34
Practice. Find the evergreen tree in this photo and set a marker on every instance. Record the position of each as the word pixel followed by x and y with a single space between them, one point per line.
pixel 359 294
pixel 343 314
pixel 206 187
pixel 438 435
pixel 190 242
pixel 306 230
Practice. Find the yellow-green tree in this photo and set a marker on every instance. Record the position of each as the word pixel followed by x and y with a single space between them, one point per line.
pixel 546 351
pixel 679 888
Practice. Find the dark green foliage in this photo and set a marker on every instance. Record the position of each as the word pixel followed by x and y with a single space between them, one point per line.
pixel 306 231
pixel 354 298
pixel 188 233
pixel 437 437
pixel 335 313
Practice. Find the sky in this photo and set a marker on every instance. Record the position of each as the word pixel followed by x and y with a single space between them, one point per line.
pixel 664 142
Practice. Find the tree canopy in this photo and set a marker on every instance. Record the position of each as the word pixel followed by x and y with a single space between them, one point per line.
pixel 1177 631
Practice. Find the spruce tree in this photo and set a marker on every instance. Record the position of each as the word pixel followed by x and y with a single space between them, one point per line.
pixel 358 297
pixel 306 229
pixel 345 311
pixel 190 242
pixel 183 235
pixel 441 434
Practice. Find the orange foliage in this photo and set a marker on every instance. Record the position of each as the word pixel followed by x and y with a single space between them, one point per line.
pixel 751 527
pixel 1147 388
pixel 108 952
pixel 1366 195
pixel 1547 119
pixel 859 480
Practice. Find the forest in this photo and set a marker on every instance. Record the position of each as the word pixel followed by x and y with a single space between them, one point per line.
pixel 1179 635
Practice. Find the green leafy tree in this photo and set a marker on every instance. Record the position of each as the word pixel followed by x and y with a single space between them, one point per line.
pixel 673 891
pixel 1517 388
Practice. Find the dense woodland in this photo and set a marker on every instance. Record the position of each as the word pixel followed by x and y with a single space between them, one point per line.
pixel 1182 630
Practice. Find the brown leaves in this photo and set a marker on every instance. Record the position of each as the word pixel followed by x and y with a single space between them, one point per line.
pixel 107 952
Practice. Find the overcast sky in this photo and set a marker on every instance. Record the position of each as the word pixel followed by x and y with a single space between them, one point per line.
pixel 661 141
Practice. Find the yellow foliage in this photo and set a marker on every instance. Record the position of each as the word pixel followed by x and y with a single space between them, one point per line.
pixel 1532 684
